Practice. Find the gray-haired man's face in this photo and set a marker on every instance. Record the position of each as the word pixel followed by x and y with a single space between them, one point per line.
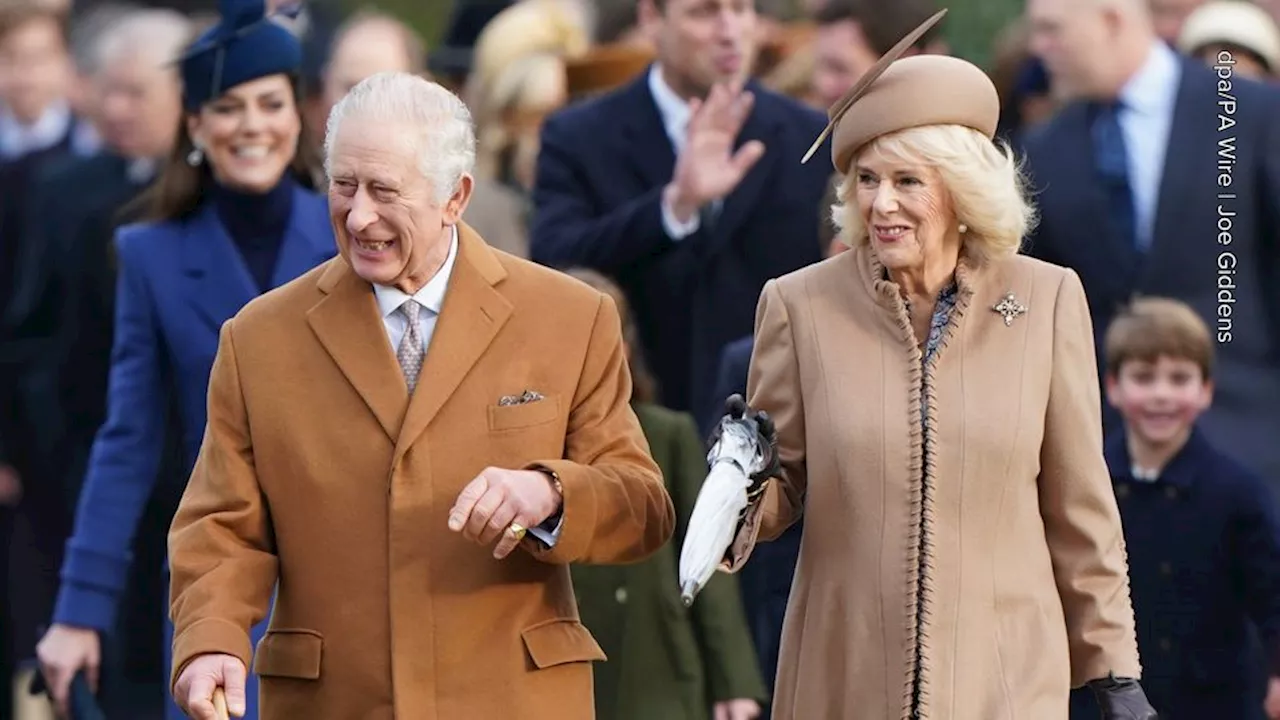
pixel 389 225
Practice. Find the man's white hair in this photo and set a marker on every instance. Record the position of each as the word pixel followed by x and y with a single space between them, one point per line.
pixel 444 135
pixel 154 34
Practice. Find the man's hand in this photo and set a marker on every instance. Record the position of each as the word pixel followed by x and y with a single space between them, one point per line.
pixel 194 689
pixel 488 505
pixel 1272 703
pixel 739 709
pixel 63 652
pixel 708 169
pixel 10 486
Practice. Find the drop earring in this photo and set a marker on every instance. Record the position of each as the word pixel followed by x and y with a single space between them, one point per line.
pixel 195 157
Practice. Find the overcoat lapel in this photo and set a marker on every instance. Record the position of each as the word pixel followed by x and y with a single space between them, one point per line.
pixel 471 316
pixel 645 139
pixel 220 281
pixel 348 325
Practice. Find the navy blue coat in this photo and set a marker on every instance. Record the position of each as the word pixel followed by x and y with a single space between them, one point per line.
pixel 178 283
pixel 1204 566
pixel 597 204
pixel 1184 257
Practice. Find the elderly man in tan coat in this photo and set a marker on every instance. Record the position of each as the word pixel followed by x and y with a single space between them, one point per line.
pixel 414 441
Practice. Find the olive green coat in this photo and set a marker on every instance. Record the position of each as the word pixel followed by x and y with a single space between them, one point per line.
pixel 666 662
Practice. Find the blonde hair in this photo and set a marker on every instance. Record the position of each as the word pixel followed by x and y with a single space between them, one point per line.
pixel 986 185
pixel 1152 327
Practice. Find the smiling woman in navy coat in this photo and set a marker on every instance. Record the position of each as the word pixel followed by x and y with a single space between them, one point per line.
pixel 234 215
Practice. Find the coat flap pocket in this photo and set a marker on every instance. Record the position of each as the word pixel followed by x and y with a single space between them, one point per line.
pixel 290 654
pixel 513 417
pixel 556 642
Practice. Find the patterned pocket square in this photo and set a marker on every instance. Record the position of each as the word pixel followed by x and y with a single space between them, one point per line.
pixel 527 396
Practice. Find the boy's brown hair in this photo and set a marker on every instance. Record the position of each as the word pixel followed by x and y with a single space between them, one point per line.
pixel 1151 327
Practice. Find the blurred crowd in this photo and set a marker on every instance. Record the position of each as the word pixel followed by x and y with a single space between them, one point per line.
pixel 581 113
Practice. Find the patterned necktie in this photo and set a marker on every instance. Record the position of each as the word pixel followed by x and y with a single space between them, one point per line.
pixel 410 353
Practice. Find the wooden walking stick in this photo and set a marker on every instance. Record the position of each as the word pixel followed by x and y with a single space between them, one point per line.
pixel 220 704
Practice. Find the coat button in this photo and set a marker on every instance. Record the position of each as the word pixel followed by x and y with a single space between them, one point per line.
pixel 1122 491
pixel 620 595
pixel 1165 644
pixel 1166 568
pixel 1171 492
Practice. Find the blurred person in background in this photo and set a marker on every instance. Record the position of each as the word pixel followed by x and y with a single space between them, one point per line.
pixel 519 77
pixel 852 34
pixel 1167 17
pixel 1238 29
pixel 684 188
pixel 665 660
pixel 1126 184
pixel 37 126
pixel 517 80
pixel 233 214
pixel 366 43
pixel 62 311
pixel 1021 81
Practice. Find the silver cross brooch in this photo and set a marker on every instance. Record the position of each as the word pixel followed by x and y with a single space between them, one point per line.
pixel 1009 308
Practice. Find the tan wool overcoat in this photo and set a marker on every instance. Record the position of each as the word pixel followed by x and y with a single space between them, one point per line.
pixel 320 473
pixel 970 567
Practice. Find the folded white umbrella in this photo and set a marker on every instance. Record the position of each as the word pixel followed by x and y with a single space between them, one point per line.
pixel 735 457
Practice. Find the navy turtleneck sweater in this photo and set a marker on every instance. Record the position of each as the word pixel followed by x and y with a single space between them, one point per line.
pixel 256 224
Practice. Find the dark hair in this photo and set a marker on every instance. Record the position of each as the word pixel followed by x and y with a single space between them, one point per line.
pixel 644 389
pixel 883 24
pixel 181 188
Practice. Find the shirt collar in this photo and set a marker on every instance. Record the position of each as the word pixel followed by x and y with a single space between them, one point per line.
pixel 673 109
pixel 17 139
pixel 429 296
pixel 1153 90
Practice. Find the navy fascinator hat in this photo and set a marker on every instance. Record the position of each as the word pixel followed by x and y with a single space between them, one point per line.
pixel 245 45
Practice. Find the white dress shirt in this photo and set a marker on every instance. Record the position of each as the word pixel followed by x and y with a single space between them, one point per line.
pixel 675 115
pixel 1149 98
pixel 17 139
pixel 431 298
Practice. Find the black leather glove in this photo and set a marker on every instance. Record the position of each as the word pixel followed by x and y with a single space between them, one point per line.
pixel 735 409
pixel 1122 699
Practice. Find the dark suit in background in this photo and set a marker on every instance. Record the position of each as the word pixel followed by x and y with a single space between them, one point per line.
pixel 597 204
pixel 63 312
pixel 1183 259
pixel 766 580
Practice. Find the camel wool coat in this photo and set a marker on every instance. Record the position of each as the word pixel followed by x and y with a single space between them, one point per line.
pixel 319 471
pixel 968 567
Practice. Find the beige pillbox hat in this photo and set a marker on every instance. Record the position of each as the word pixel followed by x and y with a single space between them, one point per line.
pixel 896 94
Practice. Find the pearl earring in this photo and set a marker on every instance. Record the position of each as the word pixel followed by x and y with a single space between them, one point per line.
pixel 963 228
pixel 195 157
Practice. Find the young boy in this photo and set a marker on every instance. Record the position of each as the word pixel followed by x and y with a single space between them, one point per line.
pixel 1203 533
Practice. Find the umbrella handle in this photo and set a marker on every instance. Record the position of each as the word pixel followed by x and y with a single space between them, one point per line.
pixel 220 704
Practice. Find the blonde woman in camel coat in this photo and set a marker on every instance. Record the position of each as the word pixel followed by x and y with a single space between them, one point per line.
pixel 937 416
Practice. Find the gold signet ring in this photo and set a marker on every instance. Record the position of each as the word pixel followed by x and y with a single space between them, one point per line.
pixel 517 530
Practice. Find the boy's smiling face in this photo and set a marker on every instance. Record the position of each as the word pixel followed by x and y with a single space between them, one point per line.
pixel 1161 399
